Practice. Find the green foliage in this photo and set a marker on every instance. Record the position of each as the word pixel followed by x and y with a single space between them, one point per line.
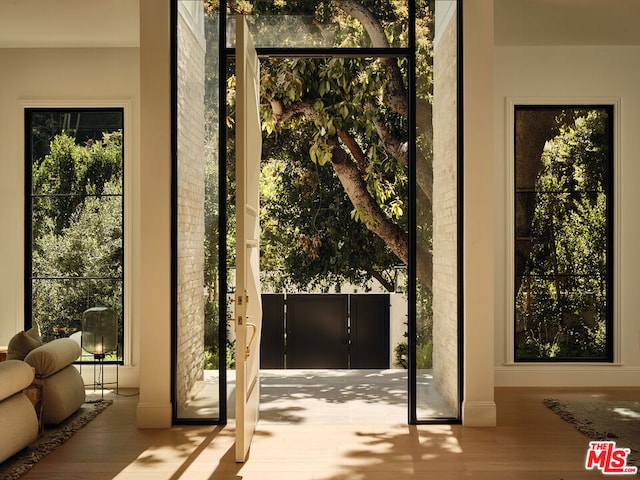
pixel 70 171
pixel 424 355
pixel 332 97
pixel 308 236
pixel 77 231
pixel 424 48
pixel 211 244
pixel 424 327
pixel 212 357
pixel 312 235
pixel 561 307
pixel 308 210
pixel 312 23
pixel 401 355
pixel 424 333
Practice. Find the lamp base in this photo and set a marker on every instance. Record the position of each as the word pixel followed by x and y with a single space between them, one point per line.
pixel 98 373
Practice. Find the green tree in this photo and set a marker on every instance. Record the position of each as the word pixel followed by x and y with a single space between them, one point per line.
pixel 309 239
pixel 77 231
pixel 350 114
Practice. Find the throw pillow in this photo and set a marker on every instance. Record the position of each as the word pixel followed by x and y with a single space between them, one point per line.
pixel 33 332
pixel 21 344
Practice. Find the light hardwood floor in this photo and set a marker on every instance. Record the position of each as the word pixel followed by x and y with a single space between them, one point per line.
pixel 530 442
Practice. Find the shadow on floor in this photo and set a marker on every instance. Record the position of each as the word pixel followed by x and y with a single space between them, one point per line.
pixel 327 397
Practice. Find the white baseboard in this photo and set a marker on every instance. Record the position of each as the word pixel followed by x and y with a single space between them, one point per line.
pixel 566 375
pixel 478 414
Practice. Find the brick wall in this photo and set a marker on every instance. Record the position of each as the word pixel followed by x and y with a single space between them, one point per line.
pixel 445 295
pixel 190 186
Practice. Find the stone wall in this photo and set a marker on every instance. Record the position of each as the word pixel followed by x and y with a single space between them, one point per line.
pixel 190 189
pixel 445 205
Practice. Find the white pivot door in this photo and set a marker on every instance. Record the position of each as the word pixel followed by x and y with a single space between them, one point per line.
pixel 248 307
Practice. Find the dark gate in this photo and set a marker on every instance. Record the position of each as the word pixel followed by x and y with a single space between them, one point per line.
pixel 325 331
pixel 369 331
pixel 317 331
pixel 272 339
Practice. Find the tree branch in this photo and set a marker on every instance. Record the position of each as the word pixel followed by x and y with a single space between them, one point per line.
pixel 374 217
pixel 386 284
pixel 394 95
pixel 354 148
pixel 392 144
pixel 424 118
pixel 367 19
pixel 284 114
pixel 399 151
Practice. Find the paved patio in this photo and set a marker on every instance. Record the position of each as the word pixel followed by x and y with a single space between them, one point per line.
pixel 333 397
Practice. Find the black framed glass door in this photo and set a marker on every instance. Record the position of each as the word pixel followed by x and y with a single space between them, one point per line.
pixel 377 98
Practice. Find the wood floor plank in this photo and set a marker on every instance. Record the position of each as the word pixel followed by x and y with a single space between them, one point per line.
pixel 530 442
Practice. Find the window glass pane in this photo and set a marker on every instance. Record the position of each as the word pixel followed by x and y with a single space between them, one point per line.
pixel 563 163
pixel 199 354
pixel 76 260
pixel 320 24
pixel 437 353
pixel 70 297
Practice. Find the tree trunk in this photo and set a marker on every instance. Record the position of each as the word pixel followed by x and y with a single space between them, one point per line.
pixel 374 217
pixel 350 174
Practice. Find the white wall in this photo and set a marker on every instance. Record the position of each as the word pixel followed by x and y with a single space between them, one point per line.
pixel 154 281
pixel 56 77
pixel 478 406
pixel 566 73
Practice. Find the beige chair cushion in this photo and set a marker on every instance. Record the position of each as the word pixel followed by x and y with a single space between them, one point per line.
pixel 63 394
pixel 22 343
pixel 19 424
pixel 15 376
pixel 53 356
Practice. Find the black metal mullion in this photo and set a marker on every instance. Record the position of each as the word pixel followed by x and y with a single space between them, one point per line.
pixel 460 204
pixel 222 218
pixel 325 52
pixel 610 231
pixel 28 222
pixel 84 195
pixel 76 278
pixel 174 210
pixel 412 215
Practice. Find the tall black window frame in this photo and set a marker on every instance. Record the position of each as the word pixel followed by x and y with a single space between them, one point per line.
pixel 578 305
pixel 408 53
pixel 86 127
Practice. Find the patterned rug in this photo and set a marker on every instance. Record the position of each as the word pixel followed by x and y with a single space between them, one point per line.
pixel 617 421
pixel 52 437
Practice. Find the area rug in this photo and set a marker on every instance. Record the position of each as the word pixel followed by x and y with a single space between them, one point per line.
pixel 617 421
pixel 52 437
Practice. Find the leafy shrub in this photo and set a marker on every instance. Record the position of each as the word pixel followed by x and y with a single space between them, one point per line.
pixel 424 355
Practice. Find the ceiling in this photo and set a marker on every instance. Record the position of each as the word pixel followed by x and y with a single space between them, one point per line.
pixel 567 22
pixel 69 23
pixel 115 23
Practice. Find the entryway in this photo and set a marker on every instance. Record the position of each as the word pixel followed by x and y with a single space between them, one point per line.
pixel 410 187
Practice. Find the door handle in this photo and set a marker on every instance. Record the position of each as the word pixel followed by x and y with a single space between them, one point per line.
pixel 253 336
